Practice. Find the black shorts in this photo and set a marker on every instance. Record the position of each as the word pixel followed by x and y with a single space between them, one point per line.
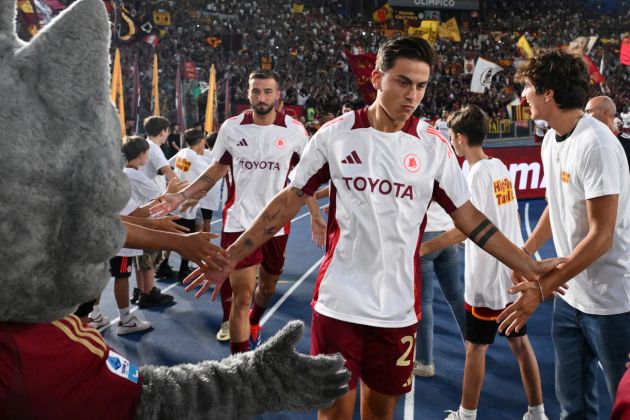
pixel 206 214
pixel 481 331
pixel 120 267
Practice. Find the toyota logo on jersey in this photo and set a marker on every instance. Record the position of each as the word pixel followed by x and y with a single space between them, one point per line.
pixel 412 163
pixel 280 143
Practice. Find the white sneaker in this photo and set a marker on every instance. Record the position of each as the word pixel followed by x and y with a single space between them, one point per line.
pixel 224 332
pixel 98 321
pixel 134 324
pixel 530 416
pixel 420 369
pixel 453 415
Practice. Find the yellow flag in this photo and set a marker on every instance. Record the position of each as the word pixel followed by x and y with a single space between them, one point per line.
pixel 212 89
pixel 25 6
pixel 450 30
pixel 117 91
pixel 524 46
pixel 297 8
pixel 155 87
pixel 429 30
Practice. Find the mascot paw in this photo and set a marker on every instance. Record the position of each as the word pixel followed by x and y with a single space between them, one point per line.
pixel 300 382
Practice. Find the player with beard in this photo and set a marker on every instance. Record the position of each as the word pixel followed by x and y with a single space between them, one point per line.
pixel 256 150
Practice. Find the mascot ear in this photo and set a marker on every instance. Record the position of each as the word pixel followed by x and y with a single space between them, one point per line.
pixel 67 60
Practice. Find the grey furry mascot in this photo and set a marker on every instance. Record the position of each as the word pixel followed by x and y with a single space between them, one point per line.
pixel 62 190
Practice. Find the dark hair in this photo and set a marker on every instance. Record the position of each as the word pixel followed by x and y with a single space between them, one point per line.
pixel 134 146
pixel 561 72
pixel 211 139
pixel 192 137
pixel 153 125
pixel 470 121
pixel 264 74
pixel 407 47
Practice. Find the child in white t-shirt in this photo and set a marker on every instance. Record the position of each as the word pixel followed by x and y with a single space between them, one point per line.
pixel 189 164
pixel 486 279
pixel 144 191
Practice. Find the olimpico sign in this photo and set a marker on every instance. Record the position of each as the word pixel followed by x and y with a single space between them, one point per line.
pixel 437 4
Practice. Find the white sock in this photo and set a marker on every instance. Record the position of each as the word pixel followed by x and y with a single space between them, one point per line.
pixel 125 315
pixel 537 412
pixel 467 414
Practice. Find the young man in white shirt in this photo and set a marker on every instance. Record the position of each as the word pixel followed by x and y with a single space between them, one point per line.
pixel 487 280
pixel 157 168
pixel 588 217
pixel 385 166
pixel 256 150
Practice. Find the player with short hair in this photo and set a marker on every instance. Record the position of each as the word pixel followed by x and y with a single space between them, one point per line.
pixel 588 217
pixel 256 150
pixel 385 166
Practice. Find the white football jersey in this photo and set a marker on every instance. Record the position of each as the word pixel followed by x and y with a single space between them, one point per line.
pixel 188 166
pixel 381 186
pixel 491 191
pixel 260 158
pixel 143 189
pixel 590 163
pixel 132 205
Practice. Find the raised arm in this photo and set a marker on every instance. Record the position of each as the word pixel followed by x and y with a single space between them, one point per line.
pixel 485 235
pixel 195 246
pixel 602 217
pixel 169 201
pixel 280 210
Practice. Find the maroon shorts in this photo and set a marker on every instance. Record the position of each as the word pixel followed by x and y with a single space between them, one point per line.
pixel 381 357
pixel 270 255
pixel 120 267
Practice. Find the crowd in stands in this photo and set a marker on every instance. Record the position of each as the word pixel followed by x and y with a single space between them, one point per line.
pixel 307 49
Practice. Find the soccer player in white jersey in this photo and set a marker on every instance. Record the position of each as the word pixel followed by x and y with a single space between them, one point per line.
pixel 256 151
pixel 384 166
pixel 441 124
pixel 588 217
pixel 487 280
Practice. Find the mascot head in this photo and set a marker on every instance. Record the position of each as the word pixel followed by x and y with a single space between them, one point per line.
pixel 61 180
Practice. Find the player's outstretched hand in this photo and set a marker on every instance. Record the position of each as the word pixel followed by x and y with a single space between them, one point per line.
pixel 167 203
pixel 197 247
pixel 514 317
pixel 541 268
pixel 206 278
pixel 175 185
pixel 167 224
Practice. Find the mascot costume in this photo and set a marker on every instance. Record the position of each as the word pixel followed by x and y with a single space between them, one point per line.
pixel 59 225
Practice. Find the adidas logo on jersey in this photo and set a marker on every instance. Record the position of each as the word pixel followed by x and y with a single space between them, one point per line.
pixel 352 158
pixel 243 142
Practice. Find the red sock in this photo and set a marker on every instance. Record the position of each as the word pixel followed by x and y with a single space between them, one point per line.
pixel 255 313
pixel 239 347
pixel 226 299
